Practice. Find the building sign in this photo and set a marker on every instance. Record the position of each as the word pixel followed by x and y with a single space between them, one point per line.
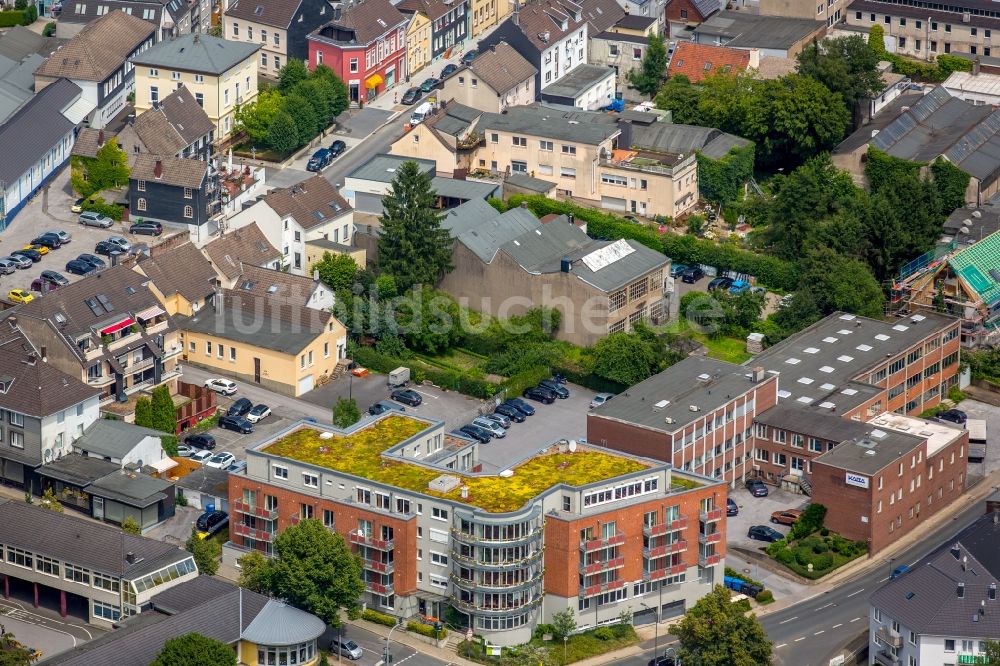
pixel 856 480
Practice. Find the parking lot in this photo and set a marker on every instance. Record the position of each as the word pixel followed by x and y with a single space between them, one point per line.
pixel 44 630
pixel 757 511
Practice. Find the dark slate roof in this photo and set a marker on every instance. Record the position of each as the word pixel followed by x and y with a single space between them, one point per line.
pixel 684 139
pixel 19 42
pixel 925 598
pixel 279 285
pixel 277 13
pixel 869 454
pixel 208 480
pixel 131 488
pixel 196 52
pixel 115 438
pixel 744 30
pixel 174 124
pixel 526 182
pixel 885 117
pixel 180 270
pixel 98 50
pixel 311 203
pixel 246 245
pixel 635 22
pixel 30 386
pixel 365 22
pixel 149 10
pixel 34 128
pixel 17 83
pixel 176 171
pixel 483 230
pixel 798 418
pixel 88 544
pixel 433 9
pixel 602 15
pixel 382 167
pixel 541 21
pixel 977 226
pixel 78 470
pixel 502 67
pixel 551 123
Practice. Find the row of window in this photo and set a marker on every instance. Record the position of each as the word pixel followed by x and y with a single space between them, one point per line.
pixel 620 492
pixel 263 34
pixel 51 567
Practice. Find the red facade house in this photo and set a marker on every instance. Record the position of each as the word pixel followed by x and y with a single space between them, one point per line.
pixel 365 44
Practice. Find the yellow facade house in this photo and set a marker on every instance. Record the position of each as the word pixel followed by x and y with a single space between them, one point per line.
pixel 221 75
pixel 486 14
pixel 418 43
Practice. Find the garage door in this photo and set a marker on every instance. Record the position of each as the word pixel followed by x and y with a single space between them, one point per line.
pixel 613 203
pixel 305 384
pixel 644 617
pixel 673 609
pixel 365 202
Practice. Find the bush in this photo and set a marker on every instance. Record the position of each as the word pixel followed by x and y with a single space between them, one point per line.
pixel 9 19
pixel 98 206
pixel 810 521
pixel 765 597
pixel 543 629
pixel 604 633
pixel 379 618
pixel 824 532
pixel 49 30
pixel 785 556
pixel 820 548
pixel 426 630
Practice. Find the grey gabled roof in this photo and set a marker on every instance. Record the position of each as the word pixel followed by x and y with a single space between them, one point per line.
pixel 281 624
pixel 131 488
pixel 744 30
pixel 35 128
pixel 382 168
pixel 113 438
pixel 685 139
pixel 208 480
pixel 31 386
pixel 196 52
pixel 482 229
pixel 587 127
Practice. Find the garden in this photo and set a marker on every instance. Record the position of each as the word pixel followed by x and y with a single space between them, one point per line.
pixel 811 550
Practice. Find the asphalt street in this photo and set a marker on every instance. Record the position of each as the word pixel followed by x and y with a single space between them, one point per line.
pixel 372 646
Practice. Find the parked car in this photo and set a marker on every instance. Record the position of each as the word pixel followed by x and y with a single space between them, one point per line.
pixel 692 274
pixel 92 219
pixel 146 229
pixel 540 394
pixel 337 148
pixel 898 571
pixel 29 253
pixel 219 385
pixel 383 406
pixel 475 432
pixel 600 399
pixel 258 413
pixel 64 236
pixel 429 84
pixel 448 70
pixel 55 278
pixel 237 466
pixel 50 241
pixel 79 267
pixel 319 160
pixel 77 206
pixel 202 457
pixel 121 242
pixel 240 407
pixel 236 424
pixel 520 405
pixel 221 460
pixel 7 266
pixel 42 286
pixel 201 440
pixel 93 260
pixel 786 517
pixel 108 249
pixel 677 269
pixel 20 296
pixel 345 647
pixel 662 660
pixel 40 249
pixel 20 262
pixel 490 426
pixel 411 96
pixel 407 397
pixel 953 416
pixel 185 451
pixel 731 508
pixel 499 419
pixel 764 533
pixel 722 283
pixel 756 487
pixel 211 522
pixel 738 287
pixel 511 412
pixel 561 391
pixel 469 56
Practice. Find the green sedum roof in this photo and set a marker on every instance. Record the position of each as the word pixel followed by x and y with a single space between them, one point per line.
pixel 974 264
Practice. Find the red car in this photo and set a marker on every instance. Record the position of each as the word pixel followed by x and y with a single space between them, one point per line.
pixel 786 517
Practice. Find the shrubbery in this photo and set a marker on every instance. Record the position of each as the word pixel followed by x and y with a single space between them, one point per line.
pixel 809 543
pixel 426 630
pixel 379 618
pixel 10 18
pixel 604 634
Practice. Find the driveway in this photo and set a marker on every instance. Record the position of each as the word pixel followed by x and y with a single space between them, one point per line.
pixel 43 630
pixel 991 413
pixel 757 511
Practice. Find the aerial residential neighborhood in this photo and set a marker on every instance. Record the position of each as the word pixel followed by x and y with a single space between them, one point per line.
pixel 545 332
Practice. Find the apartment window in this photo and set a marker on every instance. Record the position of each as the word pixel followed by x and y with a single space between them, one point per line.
pixel 200 98
pixel 949 645
pixel 779 436
pixel 236 30
pixel 519 141
pixel 947 27
pixel 888 19
pixel 75 573
pixel 568 150
pixel 933 25
pixel 439 514
pixel 310 357
pixel 857 16
pixel 517 166
pixel 154 94
pixel 277 39
pixel 140 204
pixel 232 353
pixel 46 565
pixel 567 172
pixel 902 21
pixel 220 351
pixel 263 59
pixel 280 472
pixel 902 42
pixel 354 65
pixel 439 559
pixel 545 145
pixel 141 185
pixel 188 212
pixel 302 361
pixel 154 72
pixel 326 350
pixel 187 193
pixel 310 480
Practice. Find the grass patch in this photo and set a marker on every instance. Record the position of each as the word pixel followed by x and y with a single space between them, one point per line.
pixel 360 454
pixel 826 552
pixel 733 350
pixel 579 646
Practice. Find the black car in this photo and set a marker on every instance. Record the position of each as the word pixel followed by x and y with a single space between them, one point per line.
pixel 561 391
pixel 662 660
pixel 520 405
pixel 236 423
pixel 448 71
pixel 692 274
pixel 108 249
pixel 407 397
pixel 757 488
pixel 145 229
pixel 240 407
pixel 34 255
pixel 383 406
pixel 50 241
pixel 79 267
pixel 429 84
pixel 953 416
pixel 411 96
pixel 482 435
pixel 722 283
pixel 212 521
pixel 540 394
pixel 54 278
pixel 764 533
pixel 469 56
pixel 201 440
pixel 731 508
pixel 511 412
pixel 93 260
pixel 337 147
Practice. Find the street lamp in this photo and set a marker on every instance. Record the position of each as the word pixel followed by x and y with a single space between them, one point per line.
pixel 656 628
pixel 386 657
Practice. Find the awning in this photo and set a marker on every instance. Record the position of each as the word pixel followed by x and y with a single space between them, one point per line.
pixel 164 464
pixel 374 81
pixel 149 313
pixel 114 328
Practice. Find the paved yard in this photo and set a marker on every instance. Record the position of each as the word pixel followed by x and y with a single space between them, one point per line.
pixel 44 630
pixel 757 511
pixel 981 410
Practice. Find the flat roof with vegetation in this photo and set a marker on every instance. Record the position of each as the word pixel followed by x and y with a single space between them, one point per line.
pixel 359 453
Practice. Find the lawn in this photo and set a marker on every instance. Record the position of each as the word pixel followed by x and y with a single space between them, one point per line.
pixel 721 348
pixel 360 454
pixel 826 552
pixel 577 648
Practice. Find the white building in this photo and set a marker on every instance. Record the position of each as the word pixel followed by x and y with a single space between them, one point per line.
pixel 125 444
pixel 975 87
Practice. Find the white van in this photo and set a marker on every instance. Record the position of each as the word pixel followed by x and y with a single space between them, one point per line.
pixel 420 113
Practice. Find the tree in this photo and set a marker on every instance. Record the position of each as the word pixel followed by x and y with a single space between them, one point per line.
pixel 345 412
pixel 992 653
pixel 680 98
pixel 651 74
pixel 110 167
pixel 50 501
pixel 839 283
pixel 283 133
pixel 195 650
pixel 414 248
pixel 337 271
pixel 624 358
pixel 255 118
pixel 129 526
pixel 845 65
pixel 340 95
pixel 293 73
pixel 313 569
pixel 12 652
pixel 206 552
pixel 715 632
pixel 563 623
pixel 306 114
pixel 144 412
pixel 253 572
pixel 428 320
pixel 164 414
pixel 876 41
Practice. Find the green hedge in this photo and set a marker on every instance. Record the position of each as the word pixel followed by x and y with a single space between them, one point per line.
pixel 426 630
pixel 10 18
pixel 113 211
pixel 722 180
pixel 379 618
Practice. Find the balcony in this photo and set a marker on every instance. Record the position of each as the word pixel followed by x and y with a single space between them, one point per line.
pixel 103 380
pixel 662 528
pixel 653 553
pixel 251 533
pixel 378 588
pixel 595 567
pixel 656 574
pixel 601 588
pixel 507 565
pixel 714 537
pixel 466 537
pixel 362 539
pixel 130 367
pixel 380 567
pixel 494 587
pixel 712 516
pixel 256 511
pixel 495 611
pixel 709 560
pixel 886 658
pixel 889 637
pixel 596 544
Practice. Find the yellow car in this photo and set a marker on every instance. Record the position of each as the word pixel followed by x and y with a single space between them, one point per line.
pixel 19 296
pixel 41 249
pixel 77 206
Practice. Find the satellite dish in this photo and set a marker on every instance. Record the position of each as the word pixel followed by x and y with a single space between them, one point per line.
pixel 48 455
pixel 572 446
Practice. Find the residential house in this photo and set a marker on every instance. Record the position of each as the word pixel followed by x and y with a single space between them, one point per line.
pixel 418 43
pixel 279 27
pixel 505 263
pixel 283 347
pixel 38 139
pixel 319 248
pixel 588 87
pixel 109 331
pixel 449 22
pixel 447 141
pixel 284 287
pixel 484 14
pixel 943 608
pixel 608 518
pixel 601 15
pixel 497 79
pixel 831 13
pixel 293 216
pixel 245 245
pixel 44 410
pixel 259 629
pixel 221 75
pixel 622 47
pixel 936 126
pixel 962 28
pixel 173 189
pixel 124 444
pixel 172 18
pixel 773 36
pixel 205 487
pixel 697 61
pixel 550 34
pixel 175 127
pixel 97 60
pixel 365 45
pixel 96 572
pixel 684 16
pixel 182 278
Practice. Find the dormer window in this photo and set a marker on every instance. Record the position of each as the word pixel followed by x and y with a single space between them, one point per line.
pixel 6 381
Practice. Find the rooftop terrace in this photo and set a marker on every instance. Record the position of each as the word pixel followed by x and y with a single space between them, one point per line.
pixel 361 453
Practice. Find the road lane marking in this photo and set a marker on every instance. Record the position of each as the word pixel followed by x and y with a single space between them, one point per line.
pixel 827 606
pixel 821 631
pixel 855 619
pixel 802 638
pixel 884 579
pixel 789 619
pixel 780 646
pixel 856 592
pixel 838 625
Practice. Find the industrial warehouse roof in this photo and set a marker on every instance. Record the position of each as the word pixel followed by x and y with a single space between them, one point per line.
pixel 685 139
pixel 32 130
pixel 746 31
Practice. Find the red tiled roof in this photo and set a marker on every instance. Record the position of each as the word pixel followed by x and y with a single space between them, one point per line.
pixel 696 61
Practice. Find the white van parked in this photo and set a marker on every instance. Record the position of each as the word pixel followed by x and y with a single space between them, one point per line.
pixel 420 113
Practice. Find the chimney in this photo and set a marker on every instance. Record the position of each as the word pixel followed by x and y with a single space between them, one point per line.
pixel 158 171
pixel 975 67
pixel 566 265
pixel 31 358
pixel 757 374
pixel 993 592
pixel 45 357
pixel 956 551
pixel 625 138
pixel 130 557
pixel 100 138
pixel 465 492
pixel 316 275
pixel 961 590
pixel 571 219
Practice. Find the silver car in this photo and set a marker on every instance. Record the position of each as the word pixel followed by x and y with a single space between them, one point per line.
pixel 120 242
pixel 490 426
pixel 7 266
pixel 19 261
pixel 64 237
pixel 499 419
pixel 600 399
pixel 91 219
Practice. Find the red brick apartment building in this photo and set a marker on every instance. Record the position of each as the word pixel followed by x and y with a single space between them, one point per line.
pixel 576 526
